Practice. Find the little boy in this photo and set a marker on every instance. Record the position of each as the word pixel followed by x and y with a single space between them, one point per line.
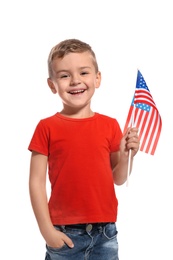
pixel 85 154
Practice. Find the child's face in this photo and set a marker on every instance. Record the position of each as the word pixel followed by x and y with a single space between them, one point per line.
pixel 74 79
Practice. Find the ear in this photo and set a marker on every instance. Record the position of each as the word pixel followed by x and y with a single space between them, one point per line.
pixel 51 85
pixel 98 79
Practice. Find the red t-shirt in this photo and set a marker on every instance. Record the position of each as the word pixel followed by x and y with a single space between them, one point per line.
pixel 78 150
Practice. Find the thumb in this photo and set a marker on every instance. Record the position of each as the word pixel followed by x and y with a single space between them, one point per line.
pixel 127 132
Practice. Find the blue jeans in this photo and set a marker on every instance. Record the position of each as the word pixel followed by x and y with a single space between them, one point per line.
pixel 91 242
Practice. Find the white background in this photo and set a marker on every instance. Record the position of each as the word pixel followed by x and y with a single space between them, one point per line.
pixel 125 35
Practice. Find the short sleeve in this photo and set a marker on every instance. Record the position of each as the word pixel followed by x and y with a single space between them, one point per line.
pixel 117 136
pixel 40 139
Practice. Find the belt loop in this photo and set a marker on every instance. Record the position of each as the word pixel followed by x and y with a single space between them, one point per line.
pixel 63 228
pixel 100 229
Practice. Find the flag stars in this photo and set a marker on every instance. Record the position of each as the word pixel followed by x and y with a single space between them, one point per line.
pixel 143 106
pixel 141 82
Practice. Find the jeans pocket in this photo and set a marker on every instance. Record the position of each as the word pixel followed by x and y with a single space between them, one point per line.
pixel 110 231
pixel 55 249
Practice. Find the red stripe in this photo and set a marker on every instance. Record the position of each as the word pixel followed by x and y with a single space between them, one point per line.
pixel 140 112
pixel 152 133
pixel 157 137
pixel 128 119
pixel 143 125
pixel 147 132
pixel 142 96
pixel 143 91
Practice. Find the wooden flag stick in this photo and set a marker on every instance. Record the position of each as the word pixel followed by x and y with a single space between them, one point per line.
pixel 128 169
pixel 130 152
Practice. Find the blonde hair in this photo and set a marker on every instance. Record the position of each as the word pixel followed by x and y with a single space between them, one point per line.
pixel 69 46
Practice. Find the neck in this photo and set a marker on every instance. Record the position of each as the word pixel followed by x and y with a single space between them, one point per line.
pixel 80 113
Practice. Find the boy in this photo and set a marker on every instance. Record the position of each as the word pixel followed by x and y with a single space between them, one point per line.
pixel 85 155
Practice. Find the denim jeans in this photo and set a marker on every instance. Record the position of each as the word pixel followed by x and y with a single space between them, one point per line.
pixel 95 242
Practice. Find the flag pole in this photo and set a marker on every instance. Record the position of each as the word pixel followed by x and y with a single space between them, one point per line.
pixel 128 170
pixel 130 151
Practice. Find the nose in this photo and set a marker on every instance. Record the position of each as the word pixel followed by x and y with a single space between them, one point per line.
pixel 75 80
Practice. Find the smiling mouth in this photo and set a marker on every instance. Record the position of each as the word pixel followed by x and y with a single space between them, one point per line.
pixel 75 92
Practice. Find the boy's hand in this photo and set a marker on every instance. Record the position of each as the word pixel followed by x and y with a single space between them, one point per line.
pixel 130 141
pixel 57 239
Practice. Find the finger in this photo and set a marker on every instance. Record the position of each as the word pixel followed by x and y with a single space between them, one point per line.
pixel 127 132
pixel 68 241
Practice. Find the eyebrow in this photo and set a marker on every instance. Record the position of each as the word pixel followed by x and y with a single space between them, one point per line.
pixel 84 67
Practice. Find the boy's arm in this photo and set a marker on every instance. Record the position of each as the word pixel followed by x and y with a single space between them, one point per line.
pixel 38 196
pixel 119 160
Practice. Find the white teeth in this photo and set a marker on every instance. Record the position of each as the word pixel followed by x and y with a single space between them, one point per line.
pixel 77 91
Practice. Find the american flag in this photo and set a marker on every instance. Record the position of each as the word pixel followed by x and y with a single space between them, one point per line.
pixel 144 115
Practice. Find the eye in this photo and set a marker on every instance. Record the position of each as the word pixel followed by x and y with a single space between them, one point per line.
pixel 63 76
pixel 84 72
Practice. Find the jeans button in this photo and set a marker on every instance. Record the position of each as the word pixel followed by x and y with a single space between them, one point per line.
pixel 89 227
